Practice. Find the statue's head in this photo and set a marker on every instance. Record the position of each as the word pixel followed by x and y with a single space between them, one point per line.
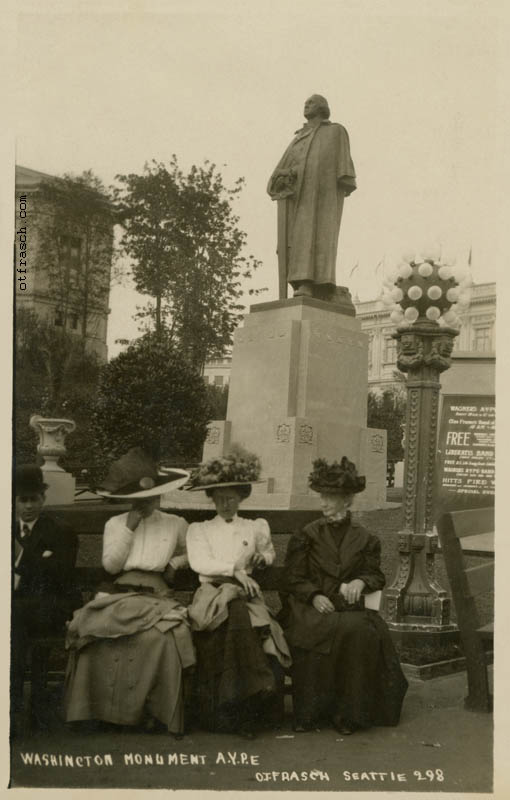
pixel 316 106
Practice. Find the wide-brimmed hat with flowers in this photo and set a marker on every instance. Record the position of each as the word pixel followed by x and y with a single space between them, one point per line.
pixel 336 478
pixel 237 468
pixel 135 475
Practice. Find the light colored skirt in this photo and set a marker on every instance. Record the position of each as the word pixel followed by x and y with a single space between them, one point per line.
pixel 127 653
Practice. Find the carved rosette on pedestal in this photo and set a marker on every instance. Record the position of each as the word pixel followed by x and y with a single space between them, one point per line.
pixel 52 434
pixel 415 600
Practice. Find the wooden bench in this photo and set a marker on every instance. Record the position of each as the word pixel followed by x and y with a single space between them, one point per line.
pixel 466 583
pixel 88 519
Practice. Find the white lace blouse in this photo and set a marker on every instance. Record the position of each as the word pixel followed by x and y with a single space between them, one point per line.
pixel 216 547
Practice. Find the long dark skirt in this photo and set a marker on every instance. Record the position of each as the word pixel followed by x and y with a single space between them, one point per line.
pixel 237 685
pixel 360 679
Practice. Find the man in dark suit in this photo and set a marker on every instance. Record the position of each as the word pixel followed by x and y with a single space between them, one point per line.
pixel 44 594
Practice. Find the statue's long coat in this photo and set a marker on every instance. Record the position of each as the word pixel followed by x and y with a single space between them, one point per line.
pixel 320 156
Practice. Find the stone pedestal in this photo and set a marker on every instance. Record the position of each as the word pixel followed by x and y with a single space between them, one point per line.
pixel 298 391
pixel 61 488
pixel 52 434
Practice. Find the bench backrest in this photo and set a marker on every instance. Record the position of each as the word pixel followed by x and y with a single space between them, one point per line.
pixel 472 522
pixel 465 582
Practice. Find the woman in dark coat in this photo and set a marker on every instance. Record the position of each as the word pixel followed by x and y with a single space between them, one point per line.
pixel 345 666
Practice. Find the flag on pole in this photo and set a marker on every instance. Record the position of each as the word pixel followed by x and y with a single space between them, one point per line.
pixel 379 265
pixel 355 267
pixel 470 255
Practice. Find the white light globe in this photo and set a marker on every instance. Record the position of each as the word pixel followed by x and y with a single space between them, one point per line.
pixel 397 294
pixel 433 313
pixel 425 270
pixel 414 292
pixel 445 273
pixel 448 258
pixel 396 317
pixel 387 299
pixel 405 271
pixel 408 255
pixel 431 252
pixel 435 292
pixel 464 299
pixel 411 314
pixel 460 273
pixel 450 317
pixel 452 294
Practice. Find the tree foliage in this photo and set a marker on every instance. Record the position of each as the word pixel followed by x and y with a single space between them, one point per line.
pixel 53 377
pixel 187 254
pixel 218 400
pixel 149 396
pixel 387 410
pixel 76 247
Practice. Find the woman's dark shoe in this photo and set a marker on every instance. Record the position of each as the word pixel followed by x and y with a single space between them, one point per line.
pixel 344 726
pixel 247 732
pixel 153 725
pixel 302 726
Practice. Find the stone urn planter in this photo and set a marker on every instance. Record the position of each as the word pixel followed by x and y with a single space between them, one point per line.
pixel 52 434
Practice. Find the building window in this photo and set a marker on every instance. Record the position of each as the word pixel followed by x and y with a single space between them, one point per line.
pixel 390 350
pixel 59 319
pixel 218 380
pixel 70 256
pixel 74 321
pixel 482 339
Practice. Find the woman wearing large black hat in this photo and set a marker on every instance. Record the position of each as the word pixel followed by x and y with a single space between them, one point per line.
pixel 129 645
pixel 345 667
pixel 241 651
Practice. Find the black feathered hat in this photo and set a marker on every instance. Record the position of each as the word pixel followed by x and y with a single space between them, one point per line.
pixel 336 478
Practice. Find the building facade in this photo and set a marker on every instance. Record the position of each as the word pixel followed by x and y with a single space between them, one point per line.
pixel 66 249
pixel 217 371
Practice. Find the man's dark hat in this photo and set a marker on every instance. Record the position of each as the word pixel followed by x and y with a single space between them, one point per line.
pixel 336 478
pixel 135 475
pixel 28 479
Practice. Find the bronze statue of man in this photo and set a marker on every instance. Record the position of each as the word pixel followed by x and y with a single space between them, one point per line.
pixel 310 182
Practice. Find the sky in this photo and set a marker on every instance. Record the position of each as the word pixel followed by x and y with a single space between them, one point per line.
pixel 419 87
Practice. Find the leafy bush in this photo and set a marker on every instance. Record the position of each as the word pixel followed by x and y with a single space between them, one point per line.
pixel 150 396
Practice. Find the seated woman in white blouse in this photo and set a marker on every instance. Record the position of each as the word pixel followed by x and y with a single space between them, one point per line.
pixel 129 645
pixel 241 651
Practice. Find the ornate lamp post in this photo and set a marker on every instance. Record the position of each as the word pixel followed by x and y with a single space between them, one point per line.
pixel 424 292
